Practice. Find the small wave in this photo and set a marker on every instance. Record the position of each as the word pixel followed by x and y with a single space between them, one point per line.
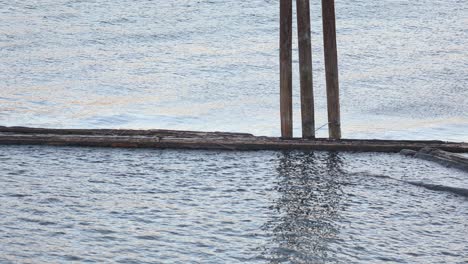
pixel 108 238
pixel 38 221
pixel 117 21
pixel 148 237
pixel 46 223
pixel 102 231
pixel 435 187
pixel 367 173
pixel 17 195
pixel 72 258
pixel 51 200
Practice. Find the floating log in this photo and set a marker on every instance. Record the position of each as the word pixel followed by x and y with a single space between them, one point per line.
pixel 439 156
pixel 203 140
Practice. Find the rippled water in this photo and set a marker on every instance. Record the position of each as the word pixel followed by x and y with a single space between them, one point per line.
pixel 213 65
pixel 146 206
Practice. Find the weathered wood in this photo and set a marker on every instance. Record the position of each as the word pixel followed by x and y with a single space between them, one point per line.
pixel 203 140
pixel 331 68
pixel 286 68
pixel 120 132
pixel 446 155
pixel 439 156
pixel 305 68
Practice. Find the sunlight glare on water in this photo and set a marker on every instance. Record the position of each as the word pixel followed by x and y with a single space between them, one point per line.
pixel 213 65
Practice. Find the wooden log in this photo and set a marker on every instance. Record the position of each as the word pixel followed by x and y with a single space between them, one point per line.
pixel 459 159
pixel 204 140
pixel 305 68
pixel 120 132
pixel 286 68
pixel 442 157
pixel 331 68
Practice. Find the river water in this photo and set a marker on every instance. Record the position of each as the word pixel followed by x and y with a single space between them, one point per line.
pixel 213 65
pixel 160 206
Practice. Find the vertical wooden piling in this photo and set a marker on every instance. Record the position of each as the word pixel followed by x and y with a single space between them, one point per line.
pixel 331 68
pixel 305 68
pixel 286 68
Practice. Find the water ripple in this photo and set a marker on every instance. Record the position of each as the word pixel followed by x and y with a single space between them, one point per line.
pixel 208 65
pixel 211 207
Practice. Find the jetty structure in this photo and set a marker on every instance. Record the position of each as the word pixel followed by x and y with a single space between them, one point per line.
pixel 157 138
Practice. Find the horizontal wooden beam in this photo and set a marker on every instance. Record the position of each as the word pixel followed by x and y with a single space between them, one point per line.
pixel 204 140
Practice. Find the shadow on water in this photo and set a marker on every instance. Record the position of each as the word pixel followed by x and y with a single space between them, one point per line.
pixel 309 188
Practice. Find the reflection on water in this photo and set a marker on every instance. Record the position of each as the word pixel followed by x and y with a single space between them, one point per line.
pixel 213 65
pixel 143 206
pixel 306 212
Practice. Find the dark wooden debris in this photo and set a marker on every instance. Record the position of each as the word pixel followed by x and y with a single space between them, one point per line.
pixel 440 156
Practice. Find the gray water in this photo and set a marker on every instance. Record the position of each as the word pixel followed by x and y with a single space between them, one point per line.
pixel 213 65
pixel 60 205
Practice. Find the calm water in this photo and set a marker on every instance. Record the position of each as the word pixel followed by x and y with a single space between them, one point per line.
pixel 212 65
pixel 144 206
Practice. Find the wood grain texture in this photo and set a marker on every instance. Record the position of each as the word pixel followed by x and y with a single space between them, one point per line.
pixel 305 68
pixel 285 45
pixel 442 157
pixel 203 140
pixel 331 68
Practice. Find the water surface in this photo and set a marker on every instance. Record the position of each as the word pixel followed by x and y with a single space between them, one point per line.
pixel 145 206
pixel 213 65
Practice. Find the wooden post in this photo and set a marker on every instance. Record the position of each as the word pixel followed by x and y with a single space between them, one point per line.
pixel 331 68
pixel 305 68
pixel 286 68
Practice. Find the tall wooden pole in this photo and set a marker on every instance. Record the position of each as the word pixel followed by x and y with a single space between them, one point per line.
pixel 305 68
pixel 286 68
pixel 331 68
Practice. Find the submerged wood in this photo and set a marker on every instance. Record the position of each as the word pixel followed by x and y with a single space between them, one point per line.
pixel 203 140
pixel 442 157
